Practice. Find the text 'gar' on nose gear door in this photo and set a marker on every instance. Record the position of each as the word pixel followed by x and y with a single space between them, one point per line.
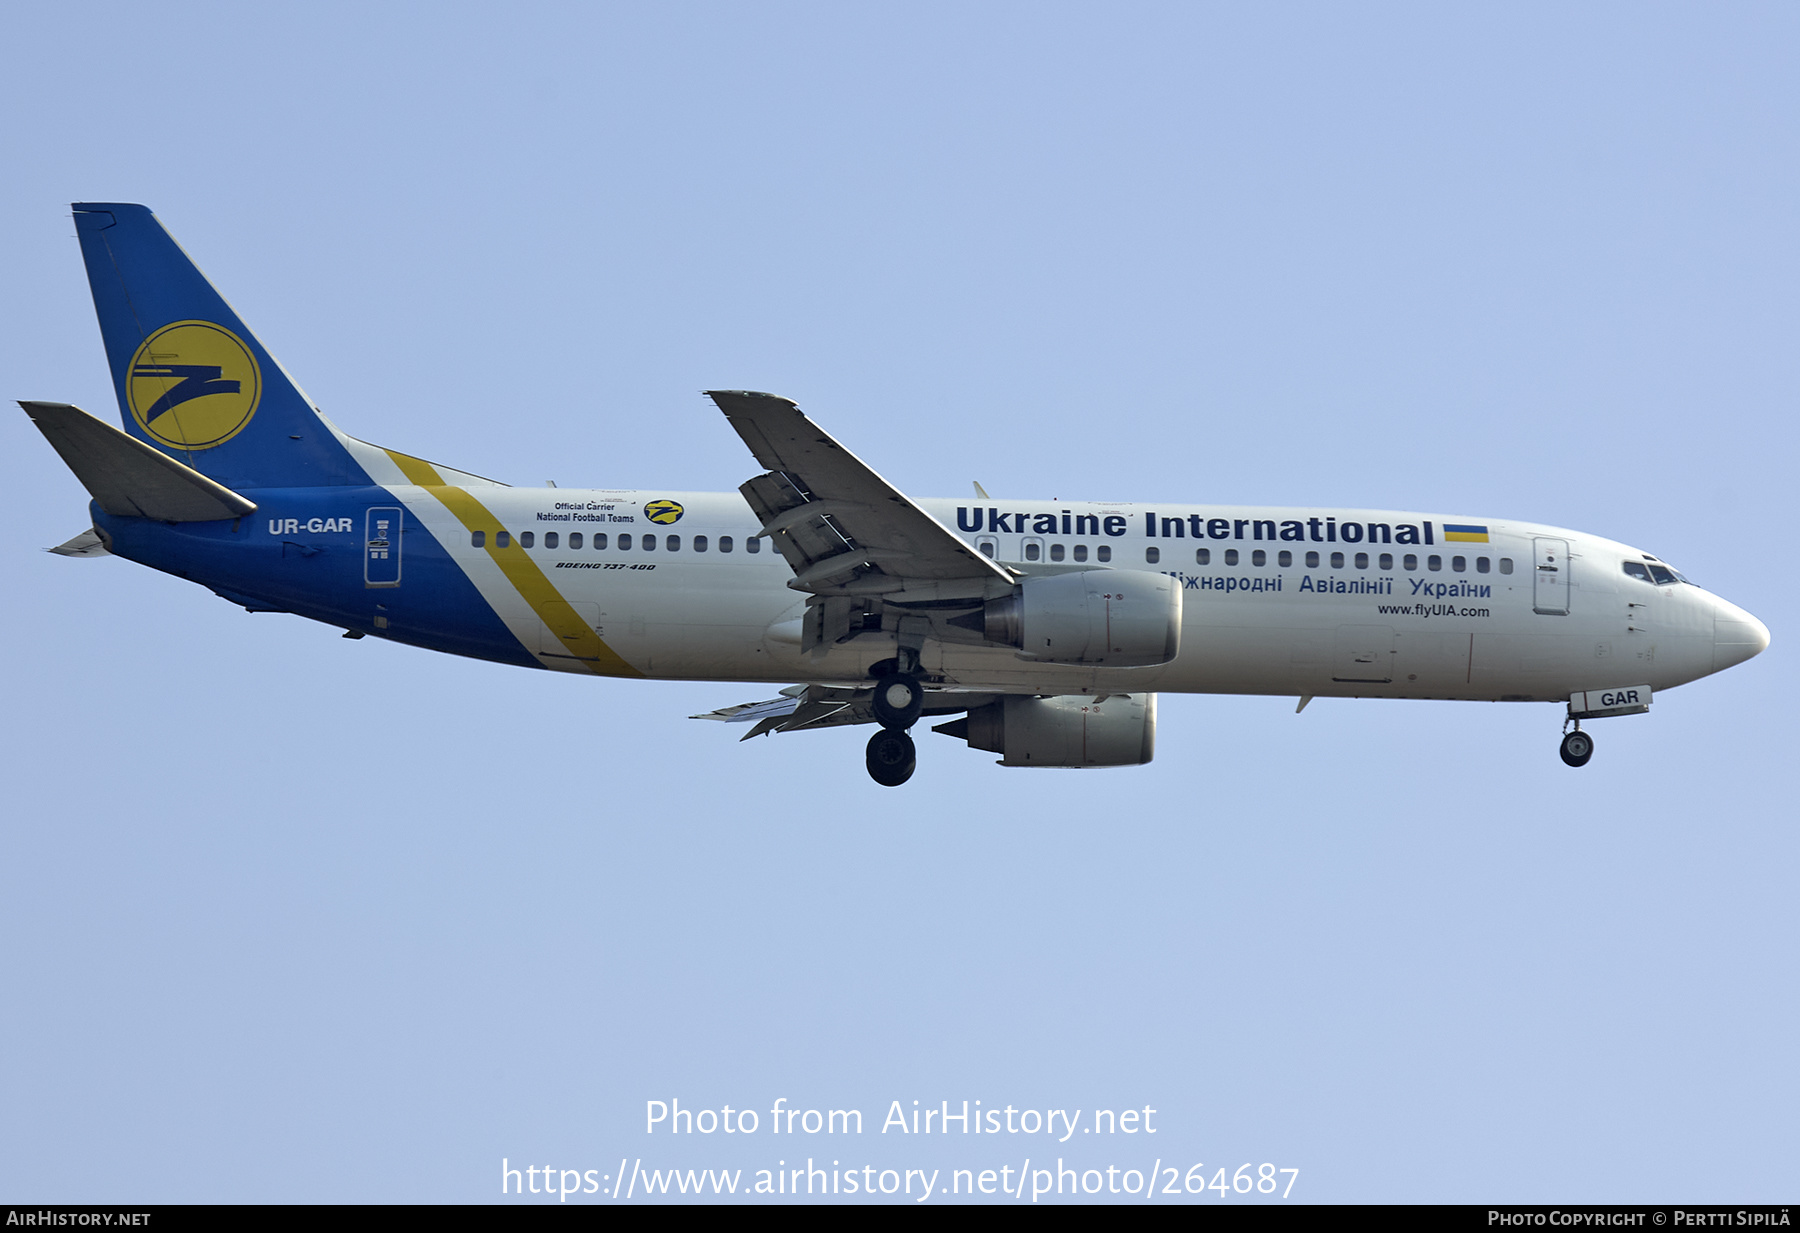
pixel 381 546
pixel 1550 577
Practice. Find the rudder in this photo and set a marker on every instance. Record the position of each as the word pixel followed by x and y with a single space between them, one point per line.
pixel 191 378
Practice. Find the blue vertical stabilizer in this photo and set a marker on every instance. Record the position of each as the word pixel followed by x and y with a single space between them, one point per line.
pixel 192 380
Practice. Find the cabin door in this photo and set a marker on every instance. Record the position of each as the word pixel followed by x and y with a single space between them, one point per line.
pixel 1550 577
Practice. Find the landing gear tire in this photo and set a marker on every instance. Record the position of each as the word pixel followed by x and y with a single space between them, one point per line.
pixel 898 700
pixel 891 757
pixel 1577 748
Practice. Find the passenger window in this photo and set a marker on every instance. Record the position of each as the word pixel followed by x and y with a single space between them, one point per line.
pixel 1409 561
pixel 1337 560
pixel 1103 552
pixel 574 539
pixel 1259 557
pixel 1153 554
pixel 1362 560
pixel 527 538
pixel 478 539
pixel 647 541
pixel 1662 574
pixel 699 543
pixel 1387 560
pixel 673 543
pixel 1031 550
pixel 1434 564
pixel 1459 564
pixel 1231 557
pixel 1506 565
pixel 724 543
pixel 1312 560
pixel 624 541
pixel 599 540
pixel 1081 552
pixel 1483 565
pixel 1056 552
pixel 1202 556
pixel 502 539
pixel 753 546
pixel 1285 559
pixel 550 539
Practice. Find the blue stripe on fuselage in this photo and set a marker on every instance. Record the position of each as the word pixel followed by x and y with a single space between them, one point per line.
pixel 283 558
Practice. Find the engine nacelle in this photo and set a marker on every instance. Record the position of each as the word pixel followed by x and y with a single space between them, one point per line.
pixel 1119 618
pixel 1064 731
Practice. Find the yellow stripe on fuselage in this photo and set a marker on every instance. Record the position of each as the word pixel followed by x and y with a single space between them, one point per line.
pixel 526 577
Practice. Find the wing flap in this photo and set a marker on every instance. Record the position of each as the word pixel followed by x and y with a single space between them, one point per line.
pixel 806 707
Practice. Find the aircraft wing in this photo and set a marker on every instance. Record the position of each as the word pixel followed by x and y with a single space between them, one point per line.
pixel 806 707
pixel 844 529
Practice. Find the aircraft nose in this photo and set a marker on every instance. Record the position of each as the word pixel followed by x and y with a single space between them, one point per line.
pixel 1737 635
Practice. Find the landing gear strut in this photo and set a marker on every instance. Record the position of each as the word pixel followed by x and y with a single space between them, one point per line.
pixel 1577 747
pixel 891 757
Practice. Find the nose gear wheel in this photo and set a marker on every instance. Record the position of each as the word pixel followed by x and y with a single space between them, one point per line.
pixel 1577 748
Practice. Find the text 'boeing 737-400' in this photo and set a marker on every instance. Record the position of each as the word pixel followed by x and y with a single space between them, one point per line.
pixel 1039 630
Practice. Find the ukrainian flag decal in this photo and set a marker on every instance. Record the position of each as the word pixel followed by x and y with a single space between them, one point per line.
pixel 1455 533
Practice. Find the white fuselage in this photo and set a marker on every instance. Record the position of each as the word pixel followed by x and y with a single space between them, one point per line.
pixel 1374 617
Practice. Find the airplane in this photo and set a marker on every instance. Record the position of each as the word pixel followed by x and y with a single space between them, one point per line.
pixel 1042 631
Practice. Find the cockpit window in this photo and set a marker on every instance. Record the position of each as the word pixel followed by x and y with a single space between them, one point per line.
pixel 1663 575
pixel 1652 570
pixel 1637 571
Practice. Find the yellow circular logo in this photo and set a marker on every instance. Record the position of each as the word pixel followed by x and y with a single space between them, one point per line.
pixel 193 385
pixel 664 512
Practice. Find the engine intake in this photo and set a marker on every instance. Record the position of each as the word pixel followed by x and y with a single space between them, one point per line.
pixel 1119 618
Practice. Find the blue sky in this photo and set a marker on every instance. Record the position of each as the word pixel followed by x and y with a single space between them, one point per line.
pixel 294 918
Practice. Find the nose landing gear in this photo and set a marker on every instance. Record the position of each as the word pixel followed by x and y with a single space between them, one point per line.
pixel 1577 747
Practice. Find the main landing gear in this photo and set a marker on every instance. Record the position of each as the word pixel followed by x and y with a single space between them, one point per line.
pixel 1577 747
pixel 891 757
pixel 899 699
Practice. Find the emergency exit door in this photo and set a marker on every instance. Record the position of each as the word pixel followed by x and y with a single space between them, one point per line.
pixel 1550 577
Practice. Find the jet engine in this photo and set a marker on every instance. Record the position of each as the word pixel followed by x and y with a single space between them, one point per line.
pixel 1119 618
pixel 1118 730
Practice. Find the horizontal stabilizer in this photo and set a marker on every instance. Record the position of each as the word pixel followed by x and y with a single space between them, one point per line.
pixel 127 477
pixel 87 544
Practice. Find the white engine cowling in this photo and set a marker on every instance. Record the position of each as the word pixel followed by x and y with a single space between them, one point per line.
pixel 1119 618
pixel 1064 731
